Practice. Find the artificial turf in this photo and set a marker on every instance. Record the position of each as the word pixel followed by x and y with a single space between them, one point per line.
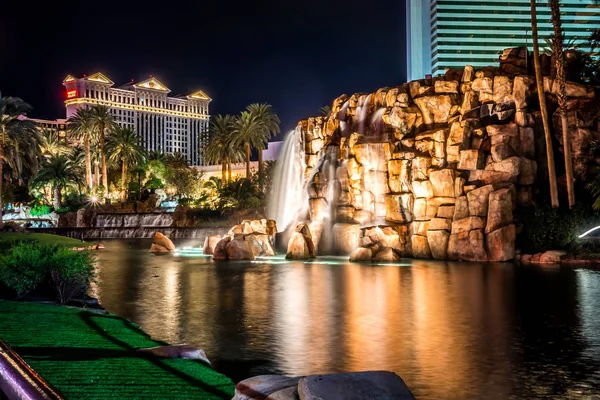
pixel 86 355
pixel 44 238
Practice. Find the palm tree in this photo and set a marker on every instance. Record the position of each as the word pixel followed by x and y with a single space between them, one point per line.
pixel 325 111
pixel 176 160
pixel 19 141
pixel 559 55
pixel 269 124
pixel 51 145
pixel 543 109
pixel 123 146
pixel 59 172
pixel 220 148
pixel 248 133
pixel 102 121
pixel 156 155
pixel 81 128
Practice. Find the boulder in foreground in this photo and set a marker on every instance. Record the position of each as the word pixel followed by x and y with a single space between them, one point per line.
pixel 161 244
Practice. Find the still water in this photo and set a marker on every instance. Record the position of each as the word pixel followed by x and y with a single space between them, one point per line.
pixel 451 330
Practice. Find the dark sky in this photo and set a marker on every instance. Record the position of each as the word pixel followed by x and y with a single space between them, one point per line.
pixel 295 55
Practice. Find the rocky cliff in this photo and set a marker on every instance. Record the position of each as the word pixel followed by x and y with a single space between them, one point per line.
pixel 435 168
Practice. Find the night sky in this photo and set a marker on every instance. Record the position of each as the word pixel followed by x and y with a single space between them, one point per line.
pixel 295 55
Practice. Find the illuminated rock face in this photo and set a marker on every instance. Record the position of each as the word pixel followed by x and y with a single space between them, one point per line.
pixel 439 164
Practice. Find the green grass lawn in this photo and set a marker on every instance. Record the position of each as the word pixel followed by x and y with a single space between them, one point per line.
pixel 85 355
pixel 44 238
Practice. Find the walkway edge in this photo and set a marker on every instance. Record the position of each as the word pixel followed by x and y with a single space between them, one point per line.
pixel 19 381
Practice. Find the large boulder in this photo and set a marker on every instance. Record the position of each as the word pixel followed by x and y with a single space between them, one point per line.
pixel 551 257
pixel 369 385
pixel 499 210
pixel 297 248
pixel 420 247
pixel 438 244
pixel 478 200
pixel 345 238
pixel 305 231
pixel 240 249
pixel 361 254
pixel 467 246
pixel 387 254
pixel 161 244
pixel 220 252
pixel 443 182
pixel 399 207
pixel 210 243
pixel 501 244
pixel 264 387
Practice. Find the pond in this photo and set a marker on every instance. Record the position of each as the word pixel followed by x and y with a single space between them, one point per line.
pixel 450 330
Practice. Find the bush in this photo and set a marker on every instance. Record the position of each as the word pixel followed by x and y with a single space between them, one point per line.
pixel 25 266
pixel 70 272
pixel 40 209
pixel 63 210
pixel 547 228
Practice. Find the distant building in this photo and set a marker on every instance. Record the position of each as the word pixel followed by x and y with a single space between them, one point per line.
pixel 169 124
pixel 58 125
pixel 449 33
pixel 272 151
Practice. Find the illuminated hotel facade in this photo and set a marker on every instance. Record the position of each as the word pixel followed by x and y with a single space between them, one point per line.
pixel 452 33
pixel 168 124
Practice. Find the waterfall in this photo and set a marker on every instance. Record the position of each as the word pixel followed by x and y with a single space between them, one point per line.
pixel 362 116
pixel 287 196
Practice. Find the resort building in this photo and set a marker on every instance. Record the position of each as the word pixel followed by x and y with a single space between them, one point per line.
pixel 58 125
pixel 169 124
pixel 451 33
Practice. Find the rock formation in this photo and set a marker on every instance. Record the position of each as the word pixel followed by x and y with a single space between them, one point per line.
pixel 435 168
pixel 161 244
pixel 244 241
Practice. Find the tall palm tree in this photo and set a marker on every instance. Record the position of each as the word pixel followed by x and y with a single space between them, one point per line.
pixel 559 55
pixel 220 148
pixel 248 133
pixel 19 141
pixel 156 155
pixel 81 128
pixel 269 124
pixel 543 108
pixel 176 160
pixel 51 145
pixel 123 146
pixel 102 121
pixel 59 172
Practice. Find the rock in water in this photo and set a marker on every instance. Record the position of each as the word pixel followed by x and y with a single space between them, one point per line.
pixel 361 254
pixel 239 249
pixel 210 243
pixel 265 386
pixel 220 252
pixel 387 254
pixel 368 385
pixel 297 248
pixel 177 351
pixel 161 244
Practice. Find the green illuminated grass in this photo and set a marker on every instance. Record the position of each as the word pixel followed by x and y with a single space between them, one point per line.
pixel 86 355
pixel 44 238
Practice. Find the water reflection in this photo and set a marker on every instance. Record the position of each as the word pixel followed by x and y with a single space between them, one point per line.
pixel 451 330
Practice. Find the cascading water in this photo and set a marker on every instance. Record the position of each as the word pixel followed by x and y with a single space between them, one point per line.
pixel 288 197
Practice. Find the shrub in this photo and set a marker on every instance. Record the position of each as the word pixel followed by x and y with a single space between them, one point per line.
pixel 70 272
pixel 40 209
pixel 547 228
pixel 25 266
pixel 63 210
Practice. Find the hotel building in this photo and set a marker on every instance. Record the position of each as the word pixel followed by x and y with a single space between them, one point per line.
pixel 169 124
pixel 452 33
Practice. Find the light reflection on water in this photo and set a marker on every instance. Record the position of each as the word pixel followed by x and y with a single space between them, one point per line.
pixel 451 330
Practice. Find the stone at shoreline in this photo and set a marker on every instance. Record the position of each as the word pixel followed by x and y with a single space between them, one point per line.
pixel 361 254
pixel 369 385
pixel 501 244
pixel 210 243
pixel 240 249
pixel 220 252
pixel 345 238
pixel 551 257
pixel 161 244
pixel 297 248
pixel 263 386
pixel 387 254
pixel 177 351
